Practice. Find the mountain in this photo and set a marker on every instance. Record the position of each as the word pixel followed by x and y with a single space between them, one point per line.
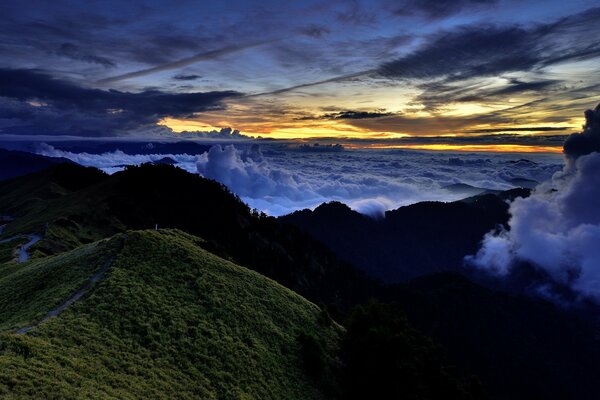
pixel 167 320
pixel 72 205
pixel 410 241
pixel 467 190
pixel 16 163
pixel 521 347
pixel 382 350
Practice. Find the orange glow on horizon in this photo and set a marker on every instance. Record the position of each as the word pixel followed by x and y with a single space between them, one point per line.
pixel 489 148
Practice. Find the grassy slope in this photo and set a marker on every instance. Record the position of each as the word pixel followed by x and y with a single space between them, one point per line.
pixel 28 291
pixel 93 206
pixel 170 321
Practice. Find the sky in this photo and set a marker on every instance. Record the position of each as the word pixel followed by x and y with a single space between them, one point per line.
pixel 380 74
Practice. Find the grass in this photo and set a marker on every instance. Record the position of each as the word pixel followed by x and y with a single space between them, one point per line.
pixel 28 291
pixel 8 250
pixel 170 320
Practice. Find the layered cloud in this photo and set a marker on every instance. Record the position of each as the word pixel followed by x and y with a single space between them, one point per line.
pixel 557 228
pixel 35 103
pixel 279 179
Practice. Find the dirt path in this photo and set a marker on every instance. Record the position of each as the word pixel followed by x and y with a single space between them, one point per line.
pixel 72 299
pixel 23 254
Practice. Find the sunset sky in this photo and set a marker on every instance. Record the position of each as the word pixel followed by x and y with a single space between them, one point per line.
pixel 364 70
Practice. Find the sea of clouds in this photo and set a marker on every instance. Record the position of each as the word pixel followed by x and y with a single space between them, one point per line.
pixel 279 179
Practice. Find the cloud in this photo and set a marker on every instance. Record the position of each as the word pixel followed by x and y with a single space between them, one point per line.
pixel 352 115
pixel 204 56
pixel 435 9
pixel 470 51
pixel 114 161
pixel 226 134
pixel 279 179
pixel 476 51
pixel 511 129
pixel 588 140
pixel 438 94
pixel 42 104
pixel 190 77
pixel 75 52
pixel 335 79
pixel 315 31
pixel 321 148
pixel 557 228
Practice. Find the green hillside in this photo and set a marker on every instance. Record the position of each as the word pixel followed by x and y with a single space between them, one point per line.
pixel 169 320
pixel 70 205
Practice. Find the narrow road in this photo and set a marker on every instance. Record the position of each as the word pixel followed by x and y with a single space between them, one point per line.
pixel 23 255
pixel 72 299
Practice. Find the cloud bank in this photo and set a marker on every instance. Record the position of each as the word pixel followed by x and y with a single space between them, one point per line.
pixel 557 229
pixel 279 179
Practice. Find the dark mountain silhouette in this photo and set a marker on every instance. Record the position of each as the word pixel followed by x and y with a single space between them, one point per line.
pixel 165 196
pixel 519 346
pixel 467 190
pixel 16 163
pixel 410 241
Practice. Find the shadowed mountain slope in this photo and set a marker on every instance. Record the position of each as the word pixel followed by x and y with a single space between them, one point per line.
pixel 410 241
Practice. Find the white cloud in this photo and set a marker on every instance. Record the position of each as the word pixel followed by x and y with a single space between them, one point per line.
pixel 557 229
pixel 279 179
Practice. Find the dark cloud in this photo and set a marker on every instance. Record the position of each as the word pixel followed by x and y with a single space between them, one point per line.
pixel 355 14
pixel 517 86
pixel 350 115
pixel 588 141
pixel 530 129
pixel 183 77
pixel 436 95
pixel 436 9
pixel 204 56
pixel 34 101
pixel 488 50
pixel 315 31
pixel 75 52
pixel 467 52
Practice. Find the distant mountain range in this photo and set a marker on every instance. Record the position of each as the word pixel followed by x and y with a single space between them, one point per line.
pixel 410 241
pixel 17 163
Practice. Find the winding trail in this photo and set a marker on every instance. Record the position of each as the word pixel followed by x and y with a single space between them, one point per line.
pixel 23 254
pixel 72 299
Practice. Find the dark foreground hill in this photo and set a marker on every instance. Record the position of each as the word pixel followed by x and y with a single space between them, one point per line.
pixel 410 241
pixel 521 347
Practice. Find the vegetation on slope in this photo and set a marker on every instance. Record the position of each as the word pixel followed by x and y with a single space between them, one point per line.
pixel 141 197
pixel 28 291
pixel 169 320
